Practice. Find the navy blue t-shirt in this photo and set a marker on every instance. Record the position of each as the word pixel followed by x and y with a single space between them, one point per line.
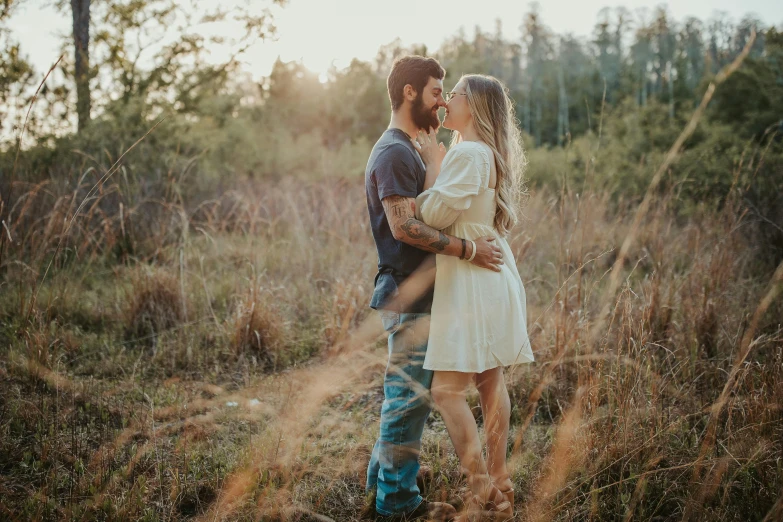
pixel 394 168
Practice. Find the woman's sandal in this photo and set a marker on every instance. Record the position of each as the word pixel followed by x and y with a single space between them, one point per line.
pixel 508 494
pixel 495 508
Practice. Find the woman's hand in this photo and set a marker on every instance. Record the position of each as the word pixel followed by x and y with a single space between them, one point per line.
pixel 432 152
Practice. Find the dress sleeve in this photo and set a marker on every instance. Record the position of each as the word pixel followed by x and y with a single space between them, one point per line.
pixel 460 179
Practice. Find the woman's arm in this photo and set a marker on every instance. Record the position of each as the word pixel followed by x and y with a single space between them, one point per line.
pixel 458 183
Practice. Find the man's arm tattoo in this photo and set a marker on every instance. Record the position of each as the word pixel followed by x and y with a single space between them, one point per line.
pixel 418 231
pixel 406 228
pixel 398 210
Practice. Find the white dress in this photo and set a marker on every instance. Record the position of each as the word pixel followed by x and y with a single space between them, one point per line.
pixel 478 319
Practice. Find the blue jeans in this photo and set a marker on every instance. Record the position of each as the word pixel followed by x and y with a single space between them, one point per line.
pixel 394 463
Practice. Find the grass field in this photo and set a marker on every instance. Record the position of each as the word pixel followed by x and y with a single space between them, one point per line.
pixel 164 361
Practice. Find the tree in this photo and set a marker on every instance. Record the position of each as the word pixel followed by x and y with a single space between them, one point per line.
pixel 537 44
pixel 720 30
pixel 742 34
pixel 751 99
pixel 563 128
pixel 641 54
pixel 603 41
pixel 81 52
pixel 122 65
pixel 367 113
pixel 16 76
pixel 578 81
pixel 459 56
pixel 691 49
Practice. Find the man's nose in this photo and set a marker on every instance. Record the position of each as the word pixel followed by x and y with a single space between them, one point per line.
pixel 441 101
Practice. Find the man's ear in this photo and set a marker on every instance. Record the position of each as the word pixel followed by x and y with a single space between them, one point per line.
pixel 409 92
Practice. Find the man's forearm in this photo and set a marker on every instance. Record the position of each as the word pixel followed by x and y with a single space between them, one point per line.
pixel 400 212
pixel 415 233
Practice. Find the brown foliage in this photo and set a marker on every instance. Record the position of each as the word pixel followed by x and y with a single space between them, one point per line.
pixel 259 331
pixel 155 304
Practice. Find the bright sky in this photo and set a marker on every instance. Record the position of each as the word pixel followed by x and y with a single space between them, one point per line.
pixel 322 32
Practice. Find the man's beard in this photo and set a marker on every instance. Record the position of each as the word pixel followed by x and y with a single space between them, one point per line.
pixel 424 118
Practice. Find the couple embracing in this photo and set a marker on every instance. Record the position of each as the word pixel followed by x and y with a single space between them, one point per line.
pixel 465 329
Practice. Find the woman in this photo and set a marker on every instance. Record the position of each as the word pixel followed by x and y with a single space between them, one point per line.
pixel 478 321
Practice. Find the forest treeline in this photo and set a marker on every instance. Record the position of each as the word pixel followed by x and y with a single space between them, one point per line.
pixel 600 109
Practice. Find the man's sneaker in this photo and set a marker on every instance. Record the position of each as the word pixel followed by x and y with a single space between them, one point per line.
pixel 429 511
pixel 368 509
pixel 424 479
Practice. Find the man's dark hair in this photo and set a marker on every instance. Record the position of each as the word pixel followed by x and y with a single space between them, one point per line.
pixel 413 70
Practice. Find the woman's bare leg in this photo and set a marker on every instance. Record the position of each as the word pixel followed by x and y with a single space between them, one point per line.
pixel 448 393
pixel 496 410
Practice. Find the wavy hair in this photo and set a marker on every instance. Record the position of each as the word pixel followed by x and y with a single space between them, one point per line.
pixel 494 119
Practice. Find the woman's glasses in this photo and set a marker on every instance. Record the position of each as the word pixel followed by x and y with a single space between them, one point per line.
pixel 449 95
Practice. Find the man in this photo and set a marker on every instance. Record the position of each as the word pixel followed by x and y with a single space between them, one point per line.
pixel 404 284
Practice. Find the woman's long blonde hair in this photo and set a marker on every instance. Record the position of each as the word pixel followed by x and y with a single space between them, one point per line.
pixel 495 122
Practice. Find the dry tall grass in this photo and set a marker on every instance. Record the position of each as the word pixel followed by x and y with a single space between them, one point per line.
pixel 187 372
